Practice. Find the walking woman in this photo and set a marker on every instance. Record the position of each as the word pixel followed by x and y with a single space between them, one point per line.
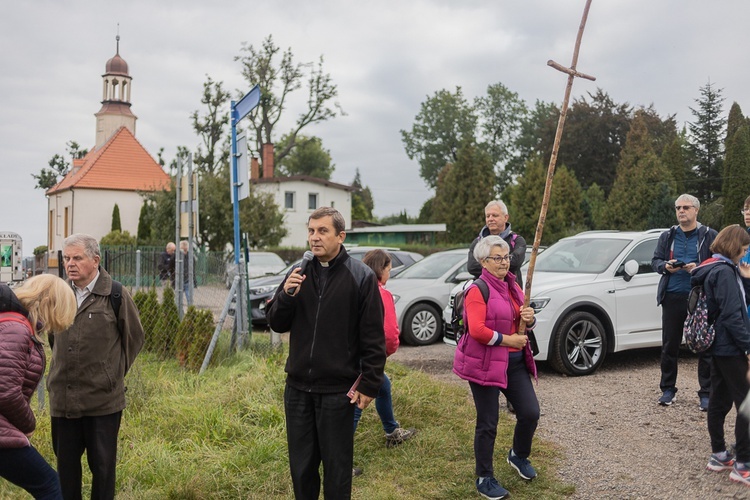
pixel 44 303
pixel 727 288
pixel 494 358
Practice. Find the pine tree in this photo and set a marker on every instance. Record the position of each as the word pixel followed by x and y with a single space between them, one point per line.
pixel 144 224
pixel 362 202
pixel 737 178
pixel 594 204
pixel 706 142
pixel 463 189
pixel 116 225
pixel 638 185
pixel 674 161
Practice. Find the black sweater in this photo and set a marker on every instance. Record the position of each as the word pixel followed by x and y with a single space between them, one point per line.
pixel 336 328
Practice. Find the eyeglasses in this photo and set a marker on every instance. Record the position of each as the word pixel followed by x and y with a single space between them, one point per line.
pixel 683 207
pixel 744 211
pixel 499 258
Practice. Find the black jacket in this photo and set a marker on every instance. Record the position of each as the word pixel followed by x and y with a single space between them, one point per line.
pixel 517 252
pixel 726 306
pixel 706 236
pixel 336 328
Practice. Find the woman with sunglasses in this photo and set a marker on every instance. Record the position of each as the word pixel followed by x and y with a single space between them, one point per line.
pixel 495 358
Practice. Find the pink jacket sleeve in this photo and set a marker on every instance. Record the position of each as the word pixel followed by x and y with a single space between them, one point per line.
pixel 390 324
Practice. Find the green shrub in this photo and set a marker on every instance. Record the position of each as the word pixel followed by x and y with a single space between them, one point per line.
pixel 168 322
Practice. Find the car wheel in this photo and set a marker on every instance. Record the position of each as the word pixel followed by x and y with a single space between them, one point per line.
pixel 580 344
pixel 422 325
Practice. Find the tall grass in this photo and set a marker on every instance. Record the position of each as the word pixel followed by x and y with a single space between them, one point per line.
pixel 221 435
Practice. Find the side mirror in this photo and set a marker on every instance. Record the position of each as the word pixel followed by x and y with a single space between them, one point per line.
pixel 631 269
pixel 464 276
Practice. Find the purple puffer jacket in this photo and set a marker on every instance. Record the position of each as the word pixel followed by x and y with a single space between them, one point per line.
pixel 22 363
pixel 484 364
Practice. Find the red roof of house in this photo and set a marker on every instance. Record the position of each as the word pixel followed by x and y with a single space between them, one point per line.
pixel 122 163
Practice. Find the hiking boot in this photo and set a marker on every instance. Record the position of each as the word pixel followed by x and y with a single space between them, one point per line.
pixel 522 465
pixel 740 473
pixel 489 488
pixel 356 471
pixel 669 397
pixel 704 403
pixel 720 461
pixel 398 436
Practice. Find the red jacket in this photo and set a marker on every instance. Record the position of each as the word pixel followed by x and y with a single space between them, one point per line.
pixel 390 324
pixel 22 363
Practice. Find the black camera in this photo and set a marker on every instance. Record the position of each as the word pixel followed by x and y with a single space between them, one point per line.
pixel 677 263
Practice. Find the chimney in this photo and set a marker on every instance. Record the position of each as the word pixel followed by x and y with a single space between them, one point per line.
pixel 267 160
pixel 254 168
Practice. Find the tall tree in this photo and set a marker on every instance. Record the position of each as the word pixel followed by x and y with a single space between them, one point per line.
pixel 737 178
pixel 638 186
pixel 58 166
pixel 444 121
pixel 674 160
pixel 594 206
pixel 524 199
pixel 463 190
pixel 706 141
pixel 308 158
pixel 210 126
pixel 536 135
pixel 145 219
pixel 277 80
pixel 362 201
pixel 116 224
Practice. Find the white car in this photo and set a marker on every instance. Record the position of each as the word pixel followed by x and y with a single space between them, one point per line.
pixel 422 291
pixel 594 293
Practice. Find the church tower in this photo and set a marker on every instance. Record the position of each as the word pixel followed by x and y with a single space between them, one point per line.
pixel 115 111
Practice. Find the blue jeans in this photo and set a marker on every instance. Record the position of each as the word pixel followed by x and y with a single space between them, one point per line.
pixel 384 406
pixel 317 430
pixel 26 468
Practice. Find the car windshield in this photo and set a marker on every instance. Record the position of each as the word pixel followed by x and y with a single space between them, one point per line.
pixel 265 260
pixel 433 266
pixel 581 255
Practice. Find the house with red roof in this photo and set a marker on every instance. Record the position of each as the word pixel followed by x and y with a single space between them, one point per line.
pixel 115 171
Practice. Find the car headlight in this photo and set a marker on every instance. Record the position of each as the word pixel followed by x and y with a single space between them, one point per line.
pixel 538 304
pixel 260 290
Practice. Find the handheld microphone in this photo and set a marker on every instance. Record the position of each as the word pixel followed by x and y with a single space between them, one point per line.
pixel 307 257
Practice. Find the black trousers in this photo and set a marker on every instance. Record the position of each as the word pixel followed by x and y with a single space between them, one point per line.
pixel 97 436
pixel 673 314
pixel 520 393
pixel 319 429
pixel 729 386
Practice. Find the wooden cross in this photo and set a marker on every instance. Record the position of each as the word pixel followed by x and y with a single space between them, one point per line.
pixel 572 73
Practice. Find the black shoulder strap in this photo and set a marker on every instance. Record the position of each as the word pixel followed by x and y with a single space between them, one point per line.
pixel 115 298
pixel 484 288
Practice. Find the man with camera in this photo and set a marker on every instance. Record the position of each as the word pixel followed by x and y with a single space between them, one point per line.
pixel 678 252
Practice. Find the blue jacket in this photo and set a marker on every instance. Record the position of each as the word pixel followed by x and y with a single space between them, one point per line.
pixel 727 305
pixel 662 254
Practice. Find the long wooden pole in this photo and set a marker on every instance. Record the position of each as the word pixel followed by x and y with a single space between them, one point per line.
pixel 572 74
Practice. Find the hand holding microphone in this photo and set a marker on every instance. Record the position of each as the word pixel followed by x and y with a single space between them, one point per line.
pixel 306 258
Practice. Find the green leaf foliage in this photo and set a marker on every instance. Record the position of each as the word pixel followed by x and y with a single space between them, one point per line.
pixel 116 224
pixel 308 157
pixel 737 177
pixel 169 321
pixel 565 216
pixel 463 190
pixel 118 238
pixel 362 201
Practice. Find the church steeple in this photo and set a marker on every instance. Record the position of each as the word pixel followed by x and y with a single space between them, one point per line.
pixel 115 111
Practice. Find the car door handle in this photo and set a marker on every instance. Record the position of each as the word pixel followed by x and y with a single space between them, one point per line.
pixel 610 291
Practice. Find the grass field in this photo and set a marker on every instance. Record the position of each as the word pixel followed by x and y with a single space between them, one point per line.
pixel 221 435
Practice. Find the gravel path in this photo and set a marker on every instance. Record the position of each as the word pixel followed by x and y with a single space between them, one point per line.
pixel 618 442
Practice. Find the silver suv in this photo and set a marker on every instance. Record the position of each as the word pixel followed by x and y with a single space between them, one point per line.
pixel 593 293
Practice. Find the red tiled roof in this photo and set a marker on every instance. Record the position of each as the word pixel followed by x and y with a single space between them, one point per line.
pixel 122 163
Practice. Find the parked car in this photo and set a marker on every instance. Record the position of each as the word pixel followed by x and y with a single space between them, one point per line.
pixel 258 264
pixel 422 291
pixel 594 293
pixel 262 289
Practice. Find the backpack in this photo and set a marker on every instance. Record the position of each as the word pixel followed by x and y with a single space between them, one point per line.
pixel 457 315
pixel 698 331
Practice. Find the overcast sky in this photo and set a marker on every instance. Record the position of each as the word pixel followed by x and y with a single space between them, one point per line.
pixel 386 57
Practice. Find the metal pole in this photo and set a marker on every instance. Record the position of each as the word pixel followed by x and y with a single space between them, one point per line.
pixel 235 186
pixel 178 252
pixel 137 270
pixel 191 229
